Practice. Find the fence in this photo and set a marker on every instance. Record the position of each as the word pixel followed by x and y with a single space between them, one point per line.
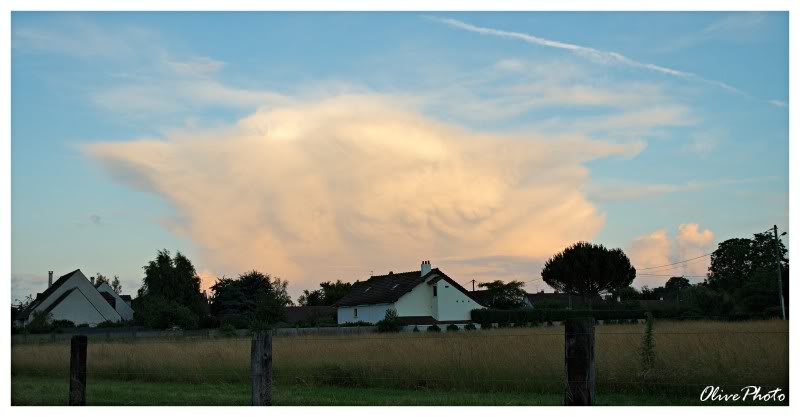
pixel 534 361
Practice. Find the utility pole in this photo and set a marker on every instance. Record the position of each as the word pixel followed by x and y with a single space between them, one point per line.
pixel 780 278
pixel 473 285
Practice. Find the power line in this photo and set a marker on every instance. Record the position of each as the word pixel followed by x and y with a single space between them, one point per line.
pixel 671 275
pixel 674 263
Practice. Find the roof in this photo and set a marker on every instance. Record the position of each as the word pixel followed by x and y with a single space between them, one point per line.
pixel 43 296
pixel 386 289
pixel 306 313
pixel 126 298
pixel 382 289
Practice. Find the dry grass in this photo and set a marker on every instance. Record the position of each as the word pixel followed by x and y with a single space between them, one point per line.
pixel 530 359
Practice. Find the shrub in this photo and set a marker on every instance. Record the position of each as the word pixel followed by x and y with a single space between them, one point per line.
pixel 159 313
pixel 390 322
pixel 452 328
pixel 434 328
pixel 227 330
pixel 62 324
pixel 416 329
pixel 470 326
pixel 647 351
pixel 359 323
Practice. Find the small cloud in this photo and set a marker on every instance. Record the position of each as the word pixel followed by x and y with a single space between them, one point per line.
pixel 701 143
pixel 196 66
pixel 736 22
pixel 778 103
pixel 96 219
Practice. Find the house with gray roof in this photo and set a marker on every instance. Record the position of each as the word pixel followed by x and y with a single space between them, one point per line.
pixel 423 297
pixel 75 298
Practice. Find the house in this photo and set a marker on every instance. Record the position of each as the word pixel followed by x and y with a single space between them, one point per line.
pixel 423 297
pixel 75 298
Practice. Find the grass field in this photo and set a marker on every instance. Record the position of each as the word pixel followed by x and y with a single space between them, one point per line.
pixel 505 362
pixel 40 391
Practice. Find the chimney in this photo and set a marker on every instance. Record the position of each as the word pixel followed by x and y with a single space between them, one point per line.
pixel 49 279
pixel 92 279
pixel 425 268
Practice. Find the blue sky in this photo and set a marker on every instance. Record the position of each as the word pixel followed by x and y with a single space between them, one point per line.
pixel 318 146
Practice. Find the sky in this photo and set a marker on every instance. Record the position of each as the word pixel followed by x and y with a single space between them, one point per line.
pixel 324 146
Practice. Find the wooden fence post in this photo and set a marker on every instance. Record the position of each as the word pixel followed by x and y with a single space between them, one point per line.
pixel 77 370
pixel 261 368
pixel 579 361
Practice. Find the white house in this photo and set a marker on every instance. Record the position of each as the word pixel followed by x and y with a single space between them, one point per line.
pixel 75 298
pixel 427 296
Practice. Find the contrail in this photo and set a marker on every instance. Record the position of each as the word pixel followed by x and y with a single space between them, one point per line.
pixel 597 54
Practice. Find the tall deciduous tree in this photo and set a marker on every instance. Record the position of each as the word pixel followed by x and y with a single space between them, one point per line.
pixel 588 270
pixel 739 260
pixel 328 294
pixel 174 280
pixel 503 295
pixel 254 298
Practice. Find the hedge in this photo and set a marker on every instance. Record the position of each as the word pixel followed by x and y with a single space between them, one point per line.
pixel 504 318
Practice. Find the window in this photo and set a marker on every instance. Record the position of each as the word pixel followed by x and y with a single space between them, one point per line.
pixel 434 291
pixel 355 312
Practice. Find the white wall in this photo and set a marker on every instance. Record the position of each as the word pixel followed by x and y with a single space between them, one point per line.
pixel 452 304
pixel 417 302
pixel 77 309
pixel 123 309
pixel 95 301
pixel 367 313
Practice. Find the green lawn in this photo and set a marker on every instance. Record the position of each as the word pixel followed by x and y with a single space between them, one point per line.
pixel 29 390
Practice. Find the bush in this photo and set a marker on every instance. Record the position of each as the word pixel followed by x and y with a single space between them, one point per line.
pixel 416 329
pixel 359 323
pixel 227 330
pixel 504 317
pixel 452 328
pixel 62 324
pixel 111 324
pixel 647 350
pixel 390 322
pixel 159 313
pixel 470 326
pixel 434 328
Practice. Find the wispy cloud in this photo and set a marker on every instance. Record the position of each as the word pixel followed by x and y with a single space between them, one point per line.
pixel 592 53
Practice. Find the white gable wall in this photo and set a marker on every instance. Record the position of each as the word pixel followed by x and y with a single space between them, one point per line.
pixel 417 302
pixel 78 280
pixel 77 309
pixel 123 309
pixel 368 313
pixel 451 303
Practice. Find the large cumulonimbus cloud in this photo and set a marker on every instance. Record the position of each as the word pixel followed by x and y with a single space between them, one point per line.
pixel 334 188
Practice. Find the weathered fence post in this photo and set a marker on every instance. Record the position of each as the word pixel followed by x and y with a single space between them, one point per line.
pixel 77 370
pixel 579 361
pixel 261 368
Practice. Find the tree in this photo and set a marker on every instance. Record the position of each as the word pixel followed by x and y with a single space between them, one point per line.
pixel 502 295
pixel 588 270
pixel 737 260
pixel 251 299
pixel 311 298
pixel 328 294
pixel 675 284
pixel 745 270
pixel 99 279
pixel 116 286
pixel 169 283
